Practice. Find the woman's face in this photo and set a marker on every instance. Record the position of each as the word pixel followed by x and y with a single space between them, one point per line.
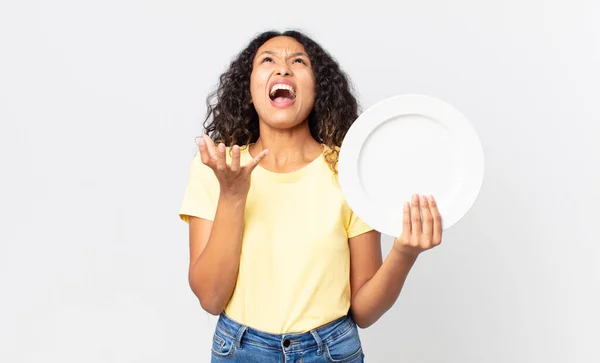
pixel 282 83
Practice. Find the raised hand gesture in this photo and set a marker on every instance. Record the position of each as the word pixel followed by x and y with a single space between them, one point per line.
pixel 234 179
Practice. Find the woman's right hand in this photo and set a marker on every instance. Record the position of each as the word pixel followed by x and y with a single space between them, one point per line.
pixel 234 179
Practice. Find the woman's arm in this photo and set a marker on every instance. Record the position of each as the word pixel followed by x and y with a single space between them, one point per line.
pixel 375 285
pixel 215 249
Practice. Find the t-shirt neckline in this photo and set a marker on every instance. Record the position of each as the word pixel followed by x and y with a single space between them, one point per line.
pixel 289 176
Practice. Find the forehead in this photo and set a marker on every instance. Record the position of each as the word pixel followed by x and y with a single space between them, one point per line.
pixel 281 44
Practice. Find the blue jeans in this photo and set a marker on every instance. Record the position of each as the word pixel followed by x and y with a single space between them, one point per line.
pixel 337 341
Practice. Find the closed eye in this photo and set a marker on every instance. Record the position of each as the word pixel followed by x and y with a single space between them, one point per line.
pixel 300 60
pixel 267 59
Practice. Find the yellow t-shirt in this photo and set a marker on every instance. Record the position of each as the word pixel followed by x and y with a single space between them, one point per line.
pixel 294 272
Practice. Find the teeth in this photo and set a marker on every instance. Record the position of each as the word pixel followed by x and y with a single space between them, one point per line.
pixel 279 86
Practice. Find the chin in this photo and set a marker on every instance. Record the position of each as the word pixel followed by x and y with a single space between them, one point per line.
pixel 283 123
pixel 284 120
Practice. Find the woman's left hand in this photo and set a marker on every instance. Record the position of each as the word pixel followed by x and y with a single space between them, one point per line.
pixel 419 234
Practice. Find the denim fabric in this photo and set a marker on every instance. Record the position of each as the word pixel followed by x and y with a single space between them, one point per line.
pixel 337 341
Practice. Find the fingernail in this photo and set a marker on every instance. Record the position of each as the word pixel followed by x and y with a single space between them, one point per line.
pixel 415 198
pixel 201 142
pixel 422 199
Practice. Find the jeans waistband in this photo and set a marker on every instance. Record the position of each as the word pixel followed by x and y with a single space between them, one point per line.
pixel 288 342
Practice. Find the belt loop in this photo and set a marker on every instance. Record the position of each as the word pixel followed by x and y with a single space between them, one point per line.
pixel 319 341
pixel 239 335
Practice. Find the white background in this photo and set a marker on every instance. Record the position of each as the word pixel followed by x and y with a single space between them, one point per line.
pixel 100 102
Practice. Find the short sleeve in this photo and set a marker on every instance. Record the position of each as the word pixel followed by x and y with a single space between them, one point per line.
pixel 201 193
pixel 354 225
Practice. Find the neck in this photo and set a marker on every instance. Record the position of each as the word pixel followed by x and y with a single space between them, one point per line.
pixel 289 149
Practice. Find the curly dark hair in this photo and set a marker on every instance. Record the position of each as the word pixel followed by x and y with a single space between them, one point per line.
pixel 232 119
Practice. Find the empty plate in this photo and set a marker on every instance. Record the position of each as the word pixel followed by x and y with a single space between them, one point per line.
pixel 410 144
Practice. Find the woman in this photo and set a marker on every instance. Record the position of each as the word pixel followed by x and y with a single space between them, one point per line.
pixel 275 249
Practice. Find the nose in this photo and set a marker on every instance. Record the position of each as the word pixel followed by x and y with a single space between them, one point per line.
pixel 284 70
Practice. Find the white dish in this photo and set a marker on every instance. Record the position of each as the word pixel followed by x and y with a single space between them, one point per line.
pixel 410 144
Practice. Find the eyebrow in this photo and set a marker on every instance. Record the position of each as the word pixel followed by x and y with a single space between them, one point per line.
pixel 295 54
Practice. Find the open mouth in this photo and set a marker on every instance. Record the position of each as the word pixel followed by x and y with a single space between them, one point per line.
pixel 282 93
